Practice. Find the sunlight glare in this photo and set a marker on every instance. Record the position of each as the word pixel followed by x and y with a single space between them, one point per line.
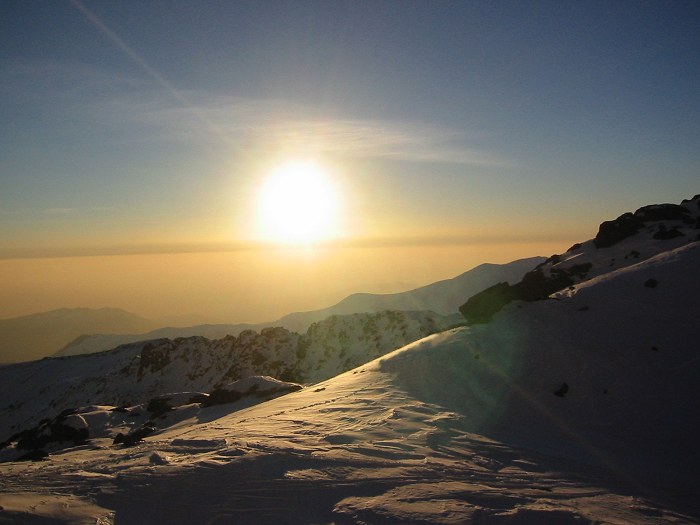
pixel 298 204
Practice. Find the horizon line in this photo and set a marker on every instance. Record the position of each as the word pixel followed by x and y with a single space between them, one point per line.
pixel 252 246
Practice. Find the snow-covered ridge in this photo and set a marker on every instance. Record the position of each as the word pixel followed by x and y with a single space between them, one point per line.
pixel 136 372
pixel 627 240
pixel 608 372
pixel 443 297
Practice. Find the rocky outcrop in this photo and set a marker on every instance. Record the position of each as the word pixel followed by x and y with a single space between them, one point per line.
pixel 66 429
pixel 534 286
pixel 629 239
pixel 481 307
pixel 341 343
pixel 629 224
pixel 261 387
pixel 128 426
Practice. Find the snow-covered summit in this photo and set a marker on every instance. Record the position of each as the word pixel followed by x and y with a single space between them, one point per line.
pixel 627 240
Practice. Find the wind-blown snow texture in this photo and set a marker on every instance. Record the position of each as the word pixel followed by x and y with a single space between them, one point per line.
pixel 581 408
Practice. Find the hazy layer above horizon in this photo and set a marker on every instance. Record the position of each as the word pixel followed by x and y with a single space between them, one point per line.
pixel 243 286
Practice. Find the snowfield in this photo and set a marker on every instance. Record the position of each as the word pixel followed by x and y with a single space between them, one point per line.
pixel 580 408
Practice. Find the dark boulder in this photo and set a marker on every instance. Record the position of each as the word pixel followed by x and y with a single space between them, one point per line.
pixel 133 437
pixel 534 286
pixel 159 406
pixel 199 398
pixel 554 259
pixel 34 455
pixel 612 232
pixel 664 212
pixel 628 224
pixel 663 233
pixel 481 307
pixel 695 199
pixel 221 396
pixel 68 427
pixel 562 390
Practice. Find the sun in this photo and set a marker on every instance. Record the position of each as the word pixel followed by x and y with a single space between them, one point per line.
pixel 298 204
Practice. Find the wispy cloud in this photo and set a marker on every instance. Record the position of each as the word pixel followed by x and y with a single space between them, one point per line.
pixel 250 123
pixel 149 111
pixel 412 141
pixel 242 124
pixel 358 137
pixel 66 211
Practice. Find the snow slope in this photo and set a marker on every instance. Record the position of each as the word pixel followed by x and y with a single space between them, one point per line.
pixel 626 352
pixel 443 297
pixel 471 425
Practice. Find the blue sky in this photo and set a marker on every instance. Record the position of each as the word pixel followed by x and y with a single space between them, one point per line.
pixel 146 124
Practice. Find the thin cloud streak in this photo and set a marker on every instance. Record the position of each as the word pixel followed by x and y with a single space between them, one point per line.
pixel 252 246
pixel 410 141
pixel 146 67
pixel 76 211
pixel 60 211
pixel 276 125
pixel 242 122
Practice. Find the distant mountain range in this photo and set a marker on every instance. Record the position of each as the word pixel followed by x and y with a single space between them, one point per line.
pixel 35 336
pixel 442 297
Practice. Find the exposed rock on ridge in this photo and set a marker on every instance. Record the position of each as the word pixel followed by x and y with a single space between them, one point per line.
pixel 630 238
